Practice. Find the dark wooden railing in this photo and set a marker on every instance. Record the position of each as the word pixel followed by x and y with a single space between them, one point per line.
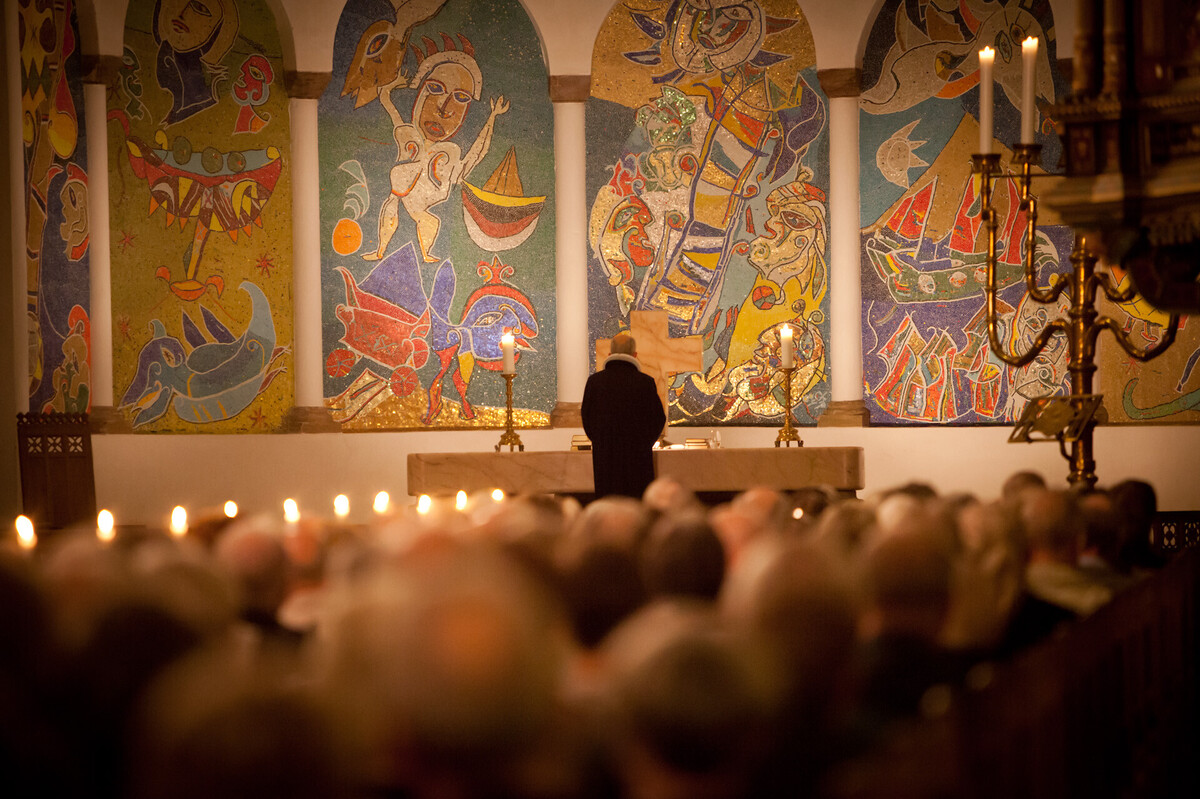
pixel 1108 709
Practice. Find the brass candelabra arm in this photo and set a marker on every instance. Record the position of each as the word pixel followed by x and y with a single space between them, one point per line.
pixel 1039 344
pixel 1138 353
pixel 1105 282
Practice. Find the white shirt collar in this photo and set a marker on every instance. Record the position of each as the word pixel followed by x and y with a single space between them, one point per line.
pixel 620 356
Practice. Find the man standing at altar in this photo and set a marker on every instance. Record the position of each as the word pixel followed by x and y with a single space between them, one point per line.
pixel 623 416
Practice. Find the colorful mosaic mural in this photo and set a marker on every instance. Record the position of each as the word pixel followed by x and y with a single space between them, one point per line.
pixel 708 176
pixel 56 208
pixel 201 219
pixel 437 216
pixel 926 358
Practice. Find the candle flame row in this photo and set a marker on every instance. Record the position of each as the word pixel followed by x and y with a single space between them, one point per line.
pixel 106 528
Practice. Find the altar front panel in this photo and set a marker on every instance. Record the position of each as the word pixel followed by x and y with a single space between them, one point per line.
pixel 701 470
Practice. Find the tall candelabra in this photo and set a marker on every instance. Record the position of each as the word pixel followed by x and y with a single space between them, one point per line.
pixel 509 437
pixel 1084 323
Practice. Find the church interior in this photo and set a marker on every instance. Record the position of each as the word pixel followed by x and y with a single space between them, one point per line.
pixel 305 295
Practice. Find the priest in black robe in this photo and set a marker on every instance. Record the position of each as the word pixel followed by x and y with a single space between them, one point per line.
pixel 623 416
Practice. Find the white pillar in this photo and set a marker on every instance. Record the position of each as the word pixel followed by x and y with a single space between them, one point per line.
pixel 845 279
pixel 571 235
pixel 309 413
pixel 95 109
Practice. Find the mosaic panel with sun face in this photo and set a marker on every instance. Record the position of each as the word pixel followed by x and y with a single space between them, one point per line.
pixel 926 358
pixel 56 208
pixel 437 216
pixel 707 176
pixel 200 185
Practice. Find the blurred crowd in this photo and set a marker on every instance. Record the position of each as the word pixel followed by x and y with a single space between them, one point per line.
pixel 536 647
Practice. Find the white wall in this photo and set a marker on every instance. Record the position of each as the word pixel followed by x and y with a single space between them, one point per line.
pixel 141 477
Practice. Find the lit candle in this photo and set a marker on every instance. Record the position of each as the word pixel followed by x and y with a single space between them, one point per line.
pixel 460 500
pixel 179 525
pixel 106 528
pixel 508 350
pixel 26 537
pixel 497 495
pixel 986 57
pixel 424 503
pixel 341 506
pixel 1029 49
pixel 382 501
pixel 787 347
pixel 231 509
pixel 291 511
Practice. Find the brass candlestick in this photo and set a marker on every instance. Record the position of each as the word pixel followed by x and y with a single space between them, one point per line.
pixel 788 434
pixel 1083 325
pixel 509 436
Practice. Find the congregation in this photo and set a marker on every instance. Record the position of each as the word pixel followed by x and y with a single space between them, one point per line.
pixel 536 647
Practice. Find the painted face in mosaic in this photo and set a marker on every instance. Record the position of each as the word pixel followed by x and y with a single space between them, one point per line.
pixel 254 83
pixel 716 34
pixel 189 24
pixel 443 100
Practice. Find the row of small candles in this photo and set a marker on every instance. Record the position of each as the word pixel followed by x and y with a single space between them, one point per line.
pixel 106 530
pixel 987 57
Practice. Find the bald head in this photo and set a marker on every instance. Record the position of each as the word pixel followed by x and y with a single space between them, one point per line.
pixel 623 344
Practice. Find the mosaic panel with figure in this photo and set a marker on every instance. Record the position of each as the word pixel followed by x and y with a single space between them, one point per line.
pixel 201 219
pixel 926 358
pixel 707 175
pixel 437 216
pixel 56 208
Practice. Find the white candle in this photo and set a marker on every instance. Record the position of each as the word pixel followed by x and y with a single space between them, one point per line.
pixel 787 347
pixel 1029 49
pixel 508 350
pixel 986 57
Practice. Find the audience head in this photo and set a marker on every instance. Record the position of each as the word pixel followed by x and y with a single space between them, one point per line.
pixel 683 556
pixel 690 704
pixel 907 576
pixel 1052 524
pixel 1135 505
pixel 1019 482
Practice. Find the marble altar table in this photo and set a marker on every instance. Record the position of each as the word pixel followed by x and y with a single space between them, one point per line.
pixel 701 470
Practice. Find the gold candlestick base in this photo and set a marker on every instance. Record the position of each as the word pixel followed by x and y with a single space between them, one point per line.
pixel 509 437
pixel 788 434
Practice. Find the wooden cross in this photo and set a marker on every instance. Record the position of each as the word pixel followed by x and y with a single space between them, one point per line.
pixel 658 353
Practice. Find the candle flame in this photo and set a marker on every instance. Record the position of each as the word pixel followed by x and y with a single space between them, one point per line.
pixel 291 511
pixel 424 503
pixel 382 500
pixel 341 506
pixel 106 529
pixel 179 524
pixel 231 509
pixel 460 500
pixel 26 537
pixel 497 495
